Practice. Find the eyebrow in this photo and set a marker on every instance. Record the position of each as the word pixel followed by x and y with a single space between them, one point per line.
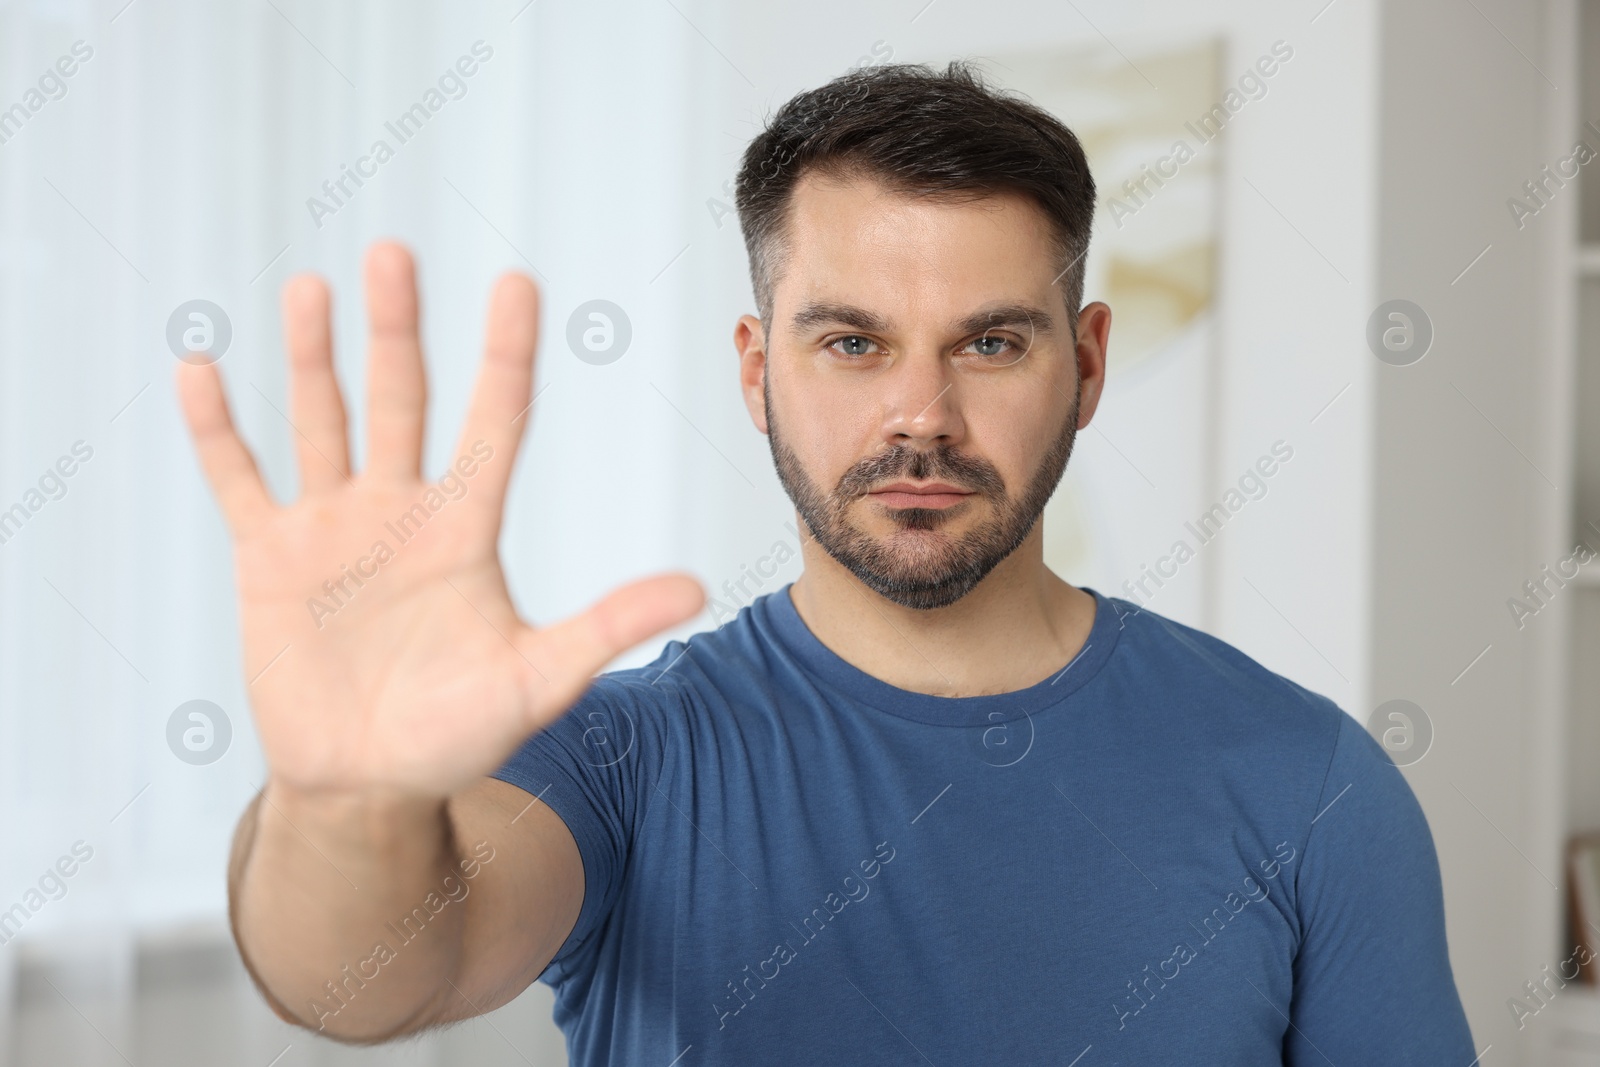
pixel 1003 316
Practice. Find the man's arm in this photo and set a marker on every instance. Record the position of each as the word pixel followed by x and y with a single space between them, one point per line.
pixel 370 920
pixel 381 882
pixel 1372 980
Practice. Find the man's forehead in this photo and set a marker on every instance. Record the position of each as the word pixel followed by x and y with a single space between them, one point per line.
pixel 861 254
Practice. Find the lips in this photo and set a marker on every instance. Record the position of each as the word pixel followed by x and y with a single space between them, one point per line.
pixel 911 495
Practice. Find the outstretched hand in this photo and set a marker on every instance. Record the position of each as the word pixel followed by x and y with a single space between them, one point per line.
pixel 383 646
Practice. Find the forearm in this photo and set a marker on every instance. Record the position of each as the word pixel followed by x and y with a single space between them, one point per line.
pixel 328 901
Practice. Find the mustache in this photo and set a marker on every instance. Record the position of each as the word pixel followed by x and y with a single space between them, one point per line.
pixel 900 461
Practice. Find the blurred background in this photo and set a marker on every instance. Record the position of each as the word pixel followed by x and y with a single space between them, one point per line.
pixel 1375 263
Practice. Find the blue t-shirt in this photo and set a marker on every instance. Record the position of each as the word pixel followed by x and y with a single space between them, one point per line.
pixel 1162 853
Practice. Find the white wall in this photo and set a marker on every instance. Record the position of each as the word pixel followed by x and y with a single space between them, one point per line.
pixel 1464 506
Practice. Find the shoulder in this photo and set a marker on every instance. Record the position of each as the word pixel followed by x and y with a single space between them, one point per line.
pixel 1305 763
pixel 1222 716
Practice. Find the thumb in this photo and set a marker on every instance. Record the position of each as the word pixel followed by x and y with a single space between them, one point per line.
pixel 569 653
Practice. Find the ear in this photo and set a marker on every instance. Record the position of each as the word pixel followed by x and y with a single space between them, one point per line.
pixel 1094 332
pixel 750 340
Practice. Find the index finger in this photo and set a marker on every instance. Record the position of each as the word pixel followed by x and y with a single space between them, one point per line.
pixel 501 399
pixel 227 463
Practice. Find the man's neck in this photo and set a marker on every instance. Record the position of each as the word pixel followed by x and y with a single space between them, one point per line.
pixel 1017 627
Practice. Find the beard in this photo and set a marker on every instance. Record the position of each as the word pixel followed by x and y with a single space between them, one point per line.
pixel 918 566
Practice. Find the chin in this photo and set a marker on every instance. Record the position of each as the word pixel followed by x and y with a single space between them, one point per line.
pixel 917 557
pixel 919 541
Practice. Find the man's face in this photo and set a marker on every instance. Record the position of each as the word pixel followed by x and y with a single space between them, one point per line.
pixel 921 384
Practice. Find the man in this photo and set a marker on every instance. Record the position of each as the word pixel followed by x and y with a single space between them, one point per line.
pixel 929 804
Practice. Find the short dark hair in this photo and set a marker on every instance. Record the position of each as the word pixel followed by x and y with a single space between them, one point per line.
pixel 946 136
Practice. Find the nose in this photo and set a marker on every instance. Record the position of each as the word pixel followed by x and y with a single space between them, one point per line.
pixel 921 402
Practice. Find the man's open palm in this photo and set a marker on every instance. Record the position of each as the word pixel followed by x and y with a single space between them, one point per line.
pixel 382 646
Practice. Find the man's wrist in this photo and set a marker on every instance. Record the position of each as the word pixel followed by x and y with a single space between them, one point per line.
pixel 364 822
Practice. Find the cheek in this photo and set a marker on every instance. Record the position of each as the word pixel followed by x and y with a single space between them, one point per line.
pixel 1013 442
pixel 831 431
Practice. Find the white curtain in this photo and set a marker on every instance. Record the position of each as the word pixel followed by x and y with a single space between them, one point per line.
pixel 175 164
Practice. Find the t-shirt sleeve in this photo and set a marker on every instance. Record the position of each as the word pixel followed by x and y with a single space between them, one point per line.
pixel 595 767
pixel 1372 978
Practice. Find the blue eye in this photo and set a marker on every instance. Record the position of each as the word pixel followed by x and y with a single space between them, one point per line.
pixel 996 351
pixel 853 340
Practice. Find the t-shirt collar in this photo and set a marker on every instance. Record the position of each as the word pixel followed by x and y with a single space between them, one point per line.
pixel 796 638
